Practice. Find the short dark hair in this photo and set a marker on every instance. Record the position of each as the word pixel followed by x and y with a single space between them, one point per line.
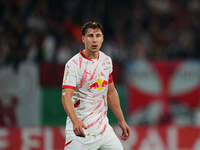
pixel 91 24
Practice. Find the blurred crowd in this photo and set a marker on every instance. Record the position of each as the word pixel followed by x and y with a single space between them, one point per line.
pixel 49 31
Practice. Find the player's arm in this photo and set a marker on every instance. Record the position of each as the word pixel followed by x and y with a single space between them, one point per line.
pixel 68 105
pixel 114 105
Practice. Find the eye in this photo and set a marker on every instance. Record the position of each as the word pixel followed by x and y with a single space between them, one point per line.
pixel 99 35
pixel 90 35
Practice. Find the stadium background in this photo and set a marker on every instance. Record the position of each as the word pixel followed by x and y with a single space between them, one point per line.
pixel 155 50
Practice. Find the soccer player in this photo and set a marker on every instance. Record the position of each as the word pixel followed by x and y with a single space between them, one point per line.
pixel 87 89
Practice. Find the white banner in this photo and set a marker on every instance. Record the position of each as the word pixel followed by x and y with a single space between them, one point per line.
pixel 20 95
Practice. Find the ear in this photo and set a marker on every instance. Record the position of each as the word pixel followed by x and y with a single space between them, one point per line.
pixel 83 39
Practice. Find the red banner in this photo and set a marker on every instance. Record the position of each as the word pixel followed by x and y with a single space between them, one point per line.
pixel 163 138
pixel 32 138
pixel 159 85
pixel 142 138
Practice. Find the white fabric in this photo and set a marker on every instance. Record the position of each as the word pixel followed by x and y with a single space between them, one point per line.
pixel 107 141
pixel 90 79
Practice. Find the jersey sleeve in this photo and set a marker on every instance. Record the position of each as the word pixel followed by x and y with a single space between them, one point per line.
pixel 111 66
pixel 111 70
pixel 70 76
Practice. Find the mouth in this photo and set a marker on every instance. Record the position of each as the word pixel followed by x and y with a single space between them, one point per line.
pixel 94 46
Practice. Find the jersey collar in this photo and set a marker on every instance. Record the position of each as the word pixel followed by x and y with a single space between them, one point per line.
pixel 81 52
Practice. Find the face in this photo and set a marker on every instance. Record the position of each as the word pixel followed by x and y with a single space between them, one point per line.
pixel 93 39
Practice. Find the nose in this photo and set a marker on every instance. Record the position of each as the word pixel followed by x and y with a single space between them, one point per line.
pixel 94 39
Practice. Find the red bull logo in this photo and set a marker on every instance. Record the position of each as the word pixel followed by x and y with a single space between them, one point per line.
pixel 100 84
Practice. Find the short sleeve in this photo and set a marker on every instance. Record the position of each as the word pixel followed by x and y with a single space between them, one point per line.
pixel 110 80
pixel 111 66
pixel 70 76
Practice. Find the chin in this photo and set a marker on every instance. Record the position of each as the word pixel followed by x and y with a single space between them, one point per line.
pixel 94 50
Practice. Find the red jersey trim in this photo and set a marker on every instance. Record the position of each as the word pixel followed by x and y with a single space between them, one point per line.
pixel 110 80
pixel 81 52
pixel 68 86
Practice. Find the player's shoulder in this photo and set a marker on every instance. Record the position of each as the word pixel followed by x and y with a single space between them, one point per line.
pixel 105 56
pixel 73 60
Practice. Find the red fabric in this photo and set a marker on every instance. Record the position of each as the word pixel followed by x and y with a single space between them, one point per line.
pixel 68 86
pixel 68 143
pixel 77 103
pixel 81 52
pixel 110 80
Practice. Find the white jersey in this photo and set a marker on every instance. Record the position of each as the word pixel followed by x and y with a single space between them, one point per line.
pixel 89 78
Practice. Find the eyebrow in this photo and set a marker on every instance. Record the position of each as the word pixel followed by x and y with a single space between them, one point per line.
pixel 95 33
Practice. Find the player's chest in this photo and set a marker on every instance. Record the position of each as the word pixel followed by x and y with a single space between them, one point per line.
pixel 94 72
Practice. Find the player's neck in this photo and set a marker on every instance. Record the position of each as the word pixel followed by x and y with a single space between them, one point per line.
pixel 91 55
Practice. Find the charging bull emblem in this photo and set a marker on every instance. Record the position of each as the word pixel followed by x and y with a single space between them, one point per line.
pixel 100 84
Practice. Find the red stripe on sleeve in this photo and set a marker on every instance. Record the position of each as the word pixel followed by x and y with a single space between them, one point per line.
pixel 68 86
pixel 110 80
